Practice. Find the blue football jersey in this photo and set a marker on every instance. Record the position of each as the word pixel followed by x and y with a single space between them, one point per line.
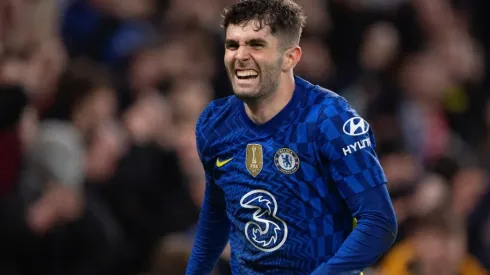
pixel 283 183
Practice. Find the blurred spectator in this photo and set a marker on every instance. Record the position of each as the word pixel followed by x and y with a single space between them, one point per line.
pixel 189 98
pixel 188 14
pixel 97 29
pixel 319 21
pixel 148 121
pixel 106 147
pixel 380 47
pixel 378 54
pixel 437 246
pixel 147 192
pixel 424 125
pixel 431 194
pixel 479 231
pixel 51 187
pixel 13 101
pixel 469 186
pixel 316 64
pixel 145 71
pixel 172 256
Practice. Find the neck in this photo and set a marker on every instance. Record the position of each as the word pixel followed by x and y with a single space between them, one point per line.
pixel 263 110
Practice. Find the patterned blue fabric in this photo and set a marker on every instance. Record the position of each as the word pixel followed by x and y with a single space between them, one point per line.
pixel 286 211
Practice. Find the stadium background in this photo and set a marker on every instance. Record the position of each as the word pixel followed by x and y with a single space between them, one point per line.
pixel 130 77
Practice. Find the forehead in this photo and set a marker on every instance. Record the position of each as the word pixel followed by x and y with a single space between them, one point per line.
pixel 249 31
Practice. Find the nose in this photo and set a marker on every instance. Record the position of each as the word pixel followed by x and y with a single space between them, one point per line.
pixel 242 53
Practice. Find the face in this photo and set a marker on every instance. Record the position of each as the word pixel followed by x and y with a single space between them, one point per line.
pixel 437 253
pixel 253 61
pixel 96 108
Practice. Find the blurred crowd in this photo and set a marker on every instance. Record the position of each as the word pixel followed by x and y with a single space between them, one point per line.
pixel 99 98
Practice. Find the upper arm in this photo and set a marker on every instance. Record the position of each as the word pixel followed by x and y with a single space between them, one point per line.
pixel 347 149
pixel 213 194
pixel 373 208
pixel 372 200
pixel 201 135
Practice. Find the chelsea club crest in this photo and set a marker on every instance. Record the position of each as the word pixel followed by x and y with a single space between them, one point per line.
pixel 286 160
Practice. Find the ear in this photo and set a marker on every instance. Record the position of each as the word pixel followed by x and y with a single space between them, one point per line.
pixel 291 58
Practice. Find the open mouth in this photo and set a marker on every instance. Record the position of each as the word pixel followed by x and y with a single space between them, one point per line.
pixel 246 74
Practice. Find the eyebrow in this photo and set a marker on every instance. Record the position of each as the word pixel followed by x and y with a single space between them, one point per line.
pixel 257 41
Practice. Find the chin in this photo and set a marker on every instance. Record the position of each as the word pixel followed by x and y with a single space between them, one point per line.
pixel 246 95
pixel 246 91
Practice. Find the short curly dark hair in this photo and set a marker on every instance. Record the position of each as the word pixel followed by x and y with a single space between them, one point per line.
pixel 282 17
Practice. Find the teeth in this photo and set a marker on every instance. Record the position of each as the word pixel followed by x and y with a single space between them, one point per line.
pixel 246 73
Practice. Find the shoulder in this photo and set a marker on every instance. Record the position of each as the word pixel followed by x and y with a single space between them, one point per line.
pixel 334 115
pixel 326 109
pixel 215 111
pixel 319 98
pixel 327 106
pixel 212 118
pixel 330 102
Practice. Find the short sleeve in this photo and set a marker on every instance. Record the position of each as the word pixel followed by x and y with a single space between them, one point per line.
pixel 347 149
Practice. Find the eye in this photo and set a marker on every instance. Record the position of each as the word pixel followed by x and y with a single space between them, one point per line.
pixel 256 45
pixel 231 46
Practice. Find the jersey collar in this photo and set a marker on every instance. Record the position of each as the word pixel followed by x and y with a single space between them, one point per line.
pixel 280 118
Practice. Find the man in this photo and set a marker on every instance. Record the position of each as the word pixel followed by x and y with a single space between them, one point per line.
pixel 288 164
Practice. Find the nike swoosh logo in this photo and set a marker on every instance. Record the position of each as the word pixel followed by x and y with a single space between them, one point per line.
pixel 222 163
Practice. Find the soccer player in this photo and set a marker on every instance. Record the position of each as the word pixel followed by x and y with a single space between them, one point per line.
pixel 288 164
